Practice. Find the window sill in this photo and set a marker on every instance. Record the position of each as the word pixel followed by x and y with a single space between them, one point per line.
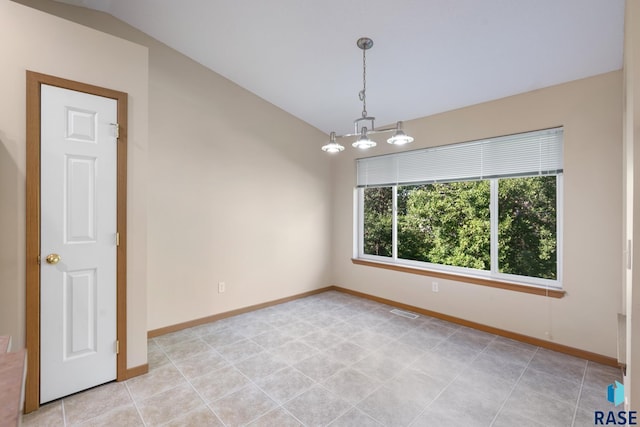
pixel 552 293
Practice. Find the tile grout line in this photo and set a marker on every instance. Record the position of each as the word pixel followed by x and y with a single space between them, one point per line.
pixel 380 385
pixel 316 384
pixel 192 386
pixel 514 387
pixel 64 413
pixel 291 366
pixel 575 411
pixel 288 412
pixel 135 404
pixel 171 361
pixel 266 350
pixel 321 385
pixel 278 405
pixel 349 407
pixel 281 405
pixel 410 366
pixel 453 379
pixel 233 365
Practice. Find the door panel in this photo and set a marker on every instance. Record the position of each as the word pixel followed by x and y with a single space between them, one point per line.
pixel 80 204
pixel 79 311
pixel 78 223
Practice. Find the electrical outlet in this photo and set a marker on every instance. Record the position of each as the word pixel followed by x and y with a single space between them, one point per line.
pixel 434 287
pixel 222 287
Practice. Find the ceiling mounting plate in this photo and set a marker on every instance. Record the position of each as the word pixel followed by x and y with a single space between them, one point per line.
pixel 365 43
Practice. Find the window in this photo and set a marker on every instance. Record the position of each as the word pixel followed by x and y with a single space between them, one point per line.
pixel 446 224
pixel 527 227
pixel 489 208
pixel 378 204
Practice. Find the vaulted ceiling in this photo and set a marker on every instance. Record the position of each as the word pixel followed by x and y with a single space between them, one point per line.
pixel 429 56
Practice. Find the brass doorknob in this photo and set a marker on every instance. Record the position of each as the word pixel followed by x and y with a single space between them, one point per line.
pixel 53 259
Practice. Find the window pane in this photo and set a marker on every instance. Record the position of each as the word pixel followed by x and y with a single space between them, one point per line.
pixel 527 243
pixel 445 224
pixel 378 211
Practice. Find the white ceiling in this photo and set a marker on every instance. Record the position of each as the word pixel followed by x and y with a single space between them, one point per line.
pixel 429 56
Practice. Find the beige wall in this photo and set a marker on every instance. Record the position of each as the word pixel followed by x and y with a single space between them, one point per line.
pixel 240 193
pixel 591 112
pixel 238 190
pixel 32 40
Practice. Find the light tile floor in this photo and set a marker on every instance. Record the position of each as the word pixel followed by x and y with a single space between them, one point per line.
pixel 335 359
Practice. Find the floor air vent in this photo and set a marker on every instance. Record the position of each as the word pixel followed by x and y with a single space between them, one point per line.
pixel 403 313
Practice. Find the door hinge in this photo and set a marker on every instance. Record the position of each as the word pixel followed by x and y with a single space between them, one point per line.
pixel 39 259
pixel 116 129
pixel 117 239
pixel 117 346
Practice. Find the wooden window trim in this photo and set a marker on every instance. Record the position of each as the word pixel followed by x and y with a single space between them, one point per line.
pixel 551 293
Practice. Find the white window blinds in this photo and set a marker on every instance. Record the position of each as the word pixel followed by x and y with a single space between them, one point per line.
pixel 524 154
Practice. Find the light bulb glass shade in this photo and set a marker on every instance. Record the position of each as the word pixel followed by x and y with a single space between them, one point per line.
pixel 363 142
pixel 332 146
pixel 399 137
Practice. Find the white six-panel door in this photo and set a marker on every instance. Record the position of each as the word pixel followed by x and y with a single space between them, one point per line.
pixel 78 242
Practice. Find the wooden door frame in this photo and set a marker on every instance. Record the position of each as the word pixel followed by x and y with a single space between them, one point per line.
pixel 32 309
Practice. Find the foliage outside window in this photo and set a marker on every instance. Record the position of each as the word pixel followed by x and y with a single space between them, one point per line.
pixel 445 224
pixel 378 207
pixel 527 224
pixel 503 227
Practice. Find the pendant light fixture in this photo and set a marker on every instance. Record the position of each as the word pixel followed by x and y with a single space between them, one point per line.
pixel 364 126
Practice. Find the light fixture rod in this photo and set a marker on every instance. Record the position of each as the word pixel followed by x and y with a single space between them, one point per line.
pixel 357 123
pixel 369 132
pixel 364 44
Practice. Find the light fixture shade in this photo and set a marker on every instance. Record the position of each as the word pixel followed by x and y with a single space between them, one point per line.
pixel 332 146
pixel 363 142
pixel 399 137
